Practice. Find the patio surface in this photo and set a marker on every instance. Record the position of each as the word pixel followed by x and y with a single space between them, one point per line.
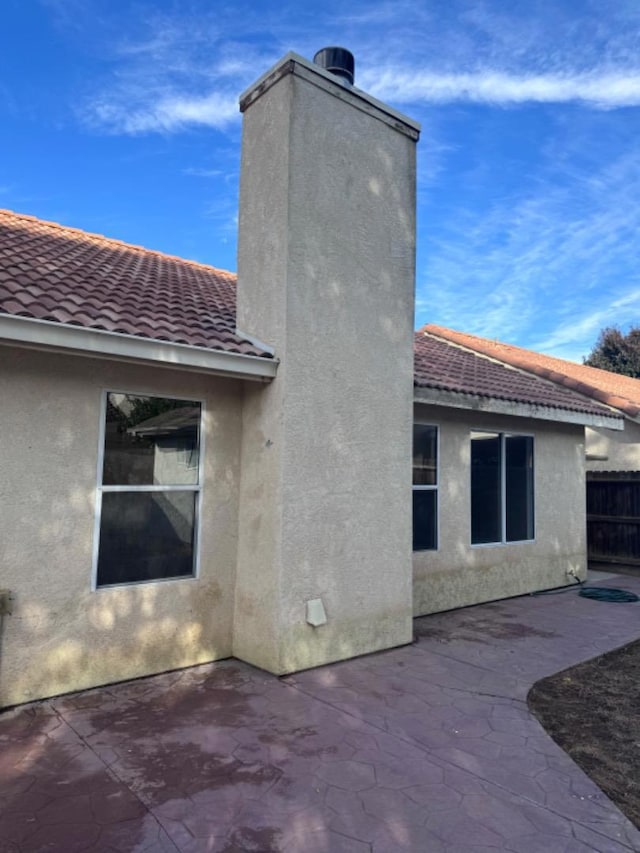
pixel 425 748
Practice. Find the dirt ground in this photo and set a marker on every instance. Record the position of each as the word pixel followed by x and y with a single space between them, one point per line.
pixel 593 712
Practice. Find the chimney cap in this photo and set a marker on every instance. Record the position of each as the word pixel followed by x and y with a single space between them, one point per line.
pixel 338 60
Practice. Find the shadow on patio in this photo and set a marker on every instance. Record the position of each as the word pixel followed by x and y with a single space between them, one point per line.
pixel 429 747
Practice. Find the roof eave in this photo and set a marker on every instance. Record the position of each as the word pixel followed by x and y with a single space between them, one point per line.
pixel 494 405
pixel 114 346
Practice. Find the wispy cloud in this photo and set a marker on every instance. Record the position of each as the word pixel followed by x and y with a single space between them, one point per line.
pixel 485 86
pixel 567 339
pixel 532 267
pixel 164 113
pixel 197 172
pixel 524 213
pixel 171 72
pixel 503 54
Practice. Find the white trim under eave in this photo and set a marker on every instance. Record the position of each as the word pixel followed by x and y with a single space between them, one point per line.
pixel 474 403
pixel 96 343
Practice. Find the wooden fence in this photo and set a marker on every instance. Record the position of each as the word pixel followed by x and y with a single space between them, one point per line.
pixel 613 516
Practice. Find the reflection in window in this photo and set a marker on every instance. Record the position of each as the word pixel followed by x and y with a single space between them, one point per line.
pixel 425 487
pixel 150 441
pixel 148 497
pixel 501 488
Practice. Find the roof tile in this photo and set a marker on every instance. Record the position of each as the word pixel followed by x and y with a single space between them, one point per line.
pixel 51 272
pixel 443 365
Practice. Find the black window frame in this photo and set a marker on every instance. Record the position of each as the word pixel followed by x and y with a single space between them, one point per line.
pixel 484 494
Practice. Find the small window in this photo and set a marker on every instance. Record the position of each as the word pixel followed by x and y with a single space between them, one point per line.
pixel 425 487
pixel 149 489
pixel 501 488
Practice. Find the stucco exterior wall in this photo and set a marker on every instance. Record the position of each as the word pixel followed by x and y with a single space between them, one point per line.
pixel 619 450
pixel 326 275
pixel 459 574
pixel 61 635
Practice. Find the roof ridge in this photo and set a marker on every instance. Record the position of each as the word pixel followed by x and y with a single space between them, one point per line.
pixel 113 241
pixel 435 328
pixel 539 371
pixel 481 353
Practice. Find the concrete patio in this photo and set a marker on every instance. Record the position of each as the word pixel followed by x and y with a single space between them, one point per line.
pixel 429 748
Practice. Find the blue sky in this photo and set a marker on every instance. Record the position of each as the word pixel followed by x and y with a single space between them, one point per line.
pixel 121 118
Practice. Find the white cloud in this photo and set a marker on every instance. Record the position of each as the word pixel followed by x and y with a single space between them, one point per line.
pixel 527 265
pixel 131 109
pixel 171 71
pixel 494 87
pixel 167 113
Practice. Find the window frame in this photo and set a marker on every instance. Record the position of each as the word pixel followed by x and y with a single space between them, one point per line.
pixel 503 434
pixel 102 489
pixel 422 488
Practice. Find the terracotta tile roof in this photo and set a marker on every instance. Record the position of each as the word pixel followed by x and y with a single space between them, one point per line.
pixel 442 365
pixel 51 272
pixel 621 392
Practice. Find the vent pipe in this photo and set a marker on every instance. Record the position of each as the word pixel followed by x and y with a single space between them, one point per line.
pixel 338 61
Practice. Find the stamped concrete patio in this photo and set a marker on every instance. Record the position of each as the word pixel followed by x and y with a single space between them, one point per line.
pixel 425 748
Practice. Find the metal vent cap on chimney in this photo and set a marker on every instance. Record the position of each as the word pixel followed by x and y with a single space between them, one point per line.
pixel 337 60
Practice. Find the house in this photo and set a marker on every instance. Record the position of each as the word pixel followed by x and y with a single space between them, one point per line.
pixel 197 465
pixel 612 456
pixel 509 448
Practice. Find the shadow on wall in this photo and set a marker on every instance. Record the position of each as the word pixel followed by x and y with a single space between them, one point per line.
pixel 69 638
pixel 61 636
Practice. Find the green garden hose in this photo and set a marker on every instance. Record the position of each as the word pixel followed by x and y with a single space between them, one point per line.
pixel 595 593
pixel 606 593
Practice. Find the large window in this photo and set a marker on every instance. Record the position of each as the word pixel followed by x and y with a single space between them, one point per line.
pixel 501 488
pixel 149 489
pixel 425 487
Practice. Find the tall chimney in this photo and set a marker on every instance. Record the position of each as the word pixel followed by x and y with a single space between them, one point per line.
pixel 326 267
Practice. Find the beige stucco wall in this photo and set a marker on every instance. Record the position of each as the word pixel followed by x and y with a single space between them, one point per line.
pixel 620 449
pixel 62 636
pixel 326 275
pixel 458 574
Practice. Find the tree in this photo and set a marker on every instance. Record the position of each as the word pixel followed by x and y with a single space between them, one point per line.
pixel 617 352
